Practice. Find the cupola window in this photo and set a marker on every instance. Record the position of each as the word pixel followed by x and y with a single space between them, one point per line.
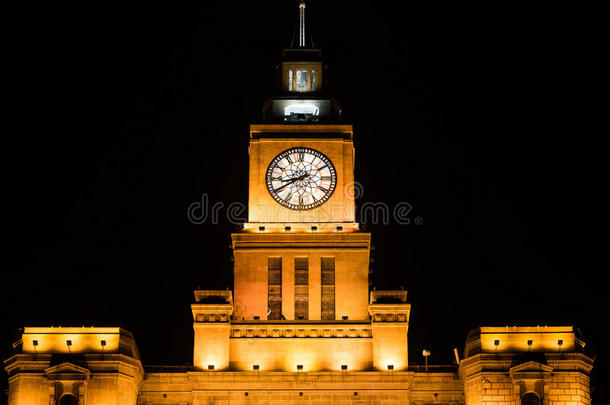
pixel 301 112
pixel 301 80
pixel 301 84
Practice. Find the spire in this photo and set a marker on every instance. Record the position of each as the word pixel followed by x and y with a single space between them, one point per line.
pixel 301 23
pixel 301 37
pixel 302 93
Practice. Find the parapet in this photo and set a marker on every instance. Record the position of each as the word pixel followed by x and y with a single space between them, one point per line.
pixel 389 306
pixel 77 340
pixel 388 297
pixel 214 297
pixel 523 339
pixel 212 306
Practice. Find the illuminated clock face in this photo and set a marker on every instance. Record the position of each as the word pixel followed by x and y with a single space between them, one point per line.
pixel 301 178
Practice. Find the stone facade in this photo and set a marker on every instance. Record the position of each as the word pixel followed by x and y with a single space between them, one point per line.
pixel 101 366
pixel 302 325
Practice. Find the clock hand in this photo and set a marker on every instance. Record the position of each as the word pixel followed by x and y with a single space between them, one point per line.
pixel 290 181
pixel 302 177
pixel 285 185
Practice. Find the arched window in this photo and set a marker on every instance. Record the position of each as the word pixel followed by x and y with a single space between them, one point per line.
pixel 68 399
pixel 530 399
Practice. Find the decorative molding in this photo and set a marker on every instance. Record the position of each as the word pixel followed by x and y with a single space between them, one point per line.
pixel 67 371
pixel 530 366
pixel 301 333
pixel 287 379
pixel 212 317
pixel 391 317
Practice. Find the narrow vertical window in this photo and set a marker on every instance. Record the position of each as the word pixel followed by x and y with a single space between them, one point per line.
pixel 274 292
pixel 301 82
pixel 290 79
pixel 313 80
pixel 328 288
pixel 301 288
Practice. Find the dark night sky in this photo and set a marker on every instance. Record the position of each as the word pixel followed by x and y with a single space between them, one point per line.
pixel 482 115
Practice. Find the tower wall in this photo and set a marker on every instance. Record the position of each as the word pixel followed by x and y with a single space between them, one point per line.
pixel 269 140
pixel 350 252
pixel 350 348
pixel 211 323
pixel 389 313
pixel 211 346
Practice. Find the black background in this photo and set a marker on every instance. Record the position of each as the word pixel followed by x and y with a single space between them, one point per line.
pixel 481 115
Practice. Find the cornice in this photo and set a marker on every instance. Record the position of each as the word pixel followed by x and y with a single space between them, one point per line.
pixel 502 362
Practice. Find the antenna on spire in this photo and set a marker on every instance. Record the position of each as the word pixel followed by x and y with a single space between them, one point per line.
pixel 302 23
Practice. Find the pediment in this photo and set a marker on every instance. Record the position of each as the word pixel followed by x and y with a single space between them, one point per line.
pixel 530 366
pixel 67 371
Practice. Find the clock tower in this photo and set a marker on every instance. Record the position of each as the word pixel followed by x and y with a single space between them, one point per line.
pixel 301 255
pixel 301 262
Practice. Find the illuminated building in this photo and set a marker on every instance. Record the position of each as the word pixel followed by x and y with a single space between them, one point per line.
pixel 301 325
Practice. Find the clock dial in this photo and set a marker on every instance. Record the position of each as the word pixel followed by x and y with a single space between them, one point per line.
pixel 301 178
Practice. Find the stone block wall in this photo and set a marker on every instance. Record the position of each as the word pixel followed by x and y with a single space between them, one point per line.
pixel 489 388
pixel 569 388
pixel 111 389
pixel 325 388
pixel 31 389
